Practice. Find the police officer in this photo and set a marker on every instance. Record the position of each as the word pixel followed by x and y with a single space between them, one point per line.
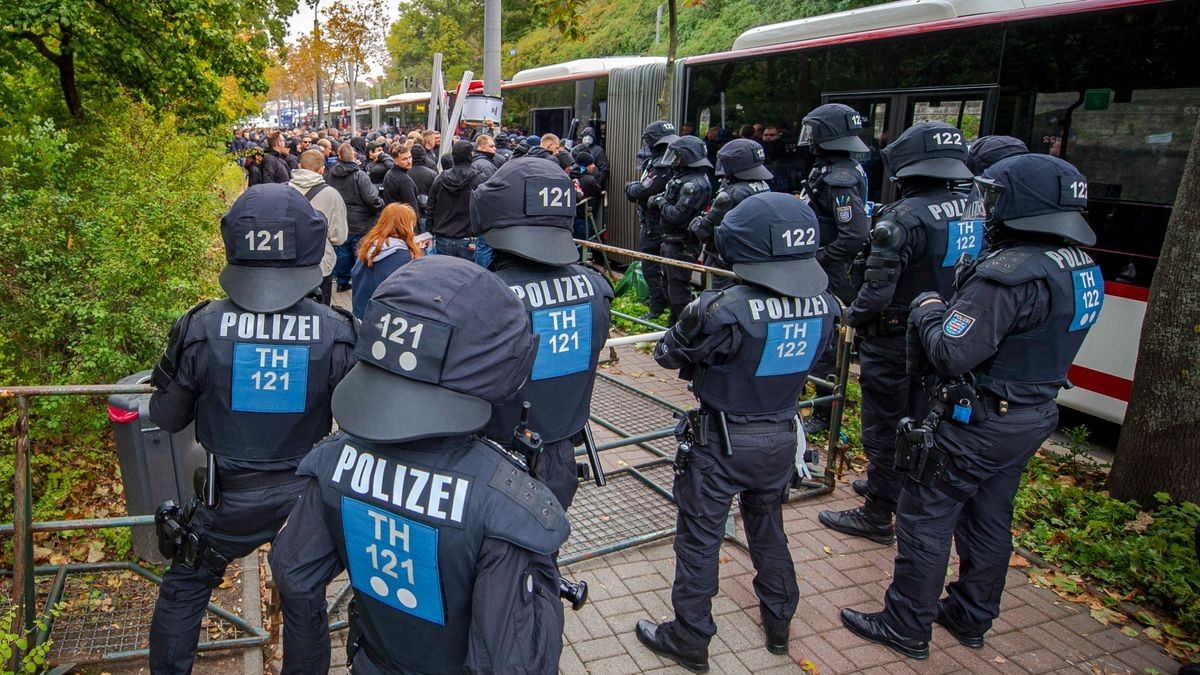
pixel 687 195
pixel 527 210
pixel 1004 344
pixel 256 372
pixel 988 150
pixel 915 244
pixel 655 174
pixel 747 350
pixel 836 189
pixel 740 167
pixel 446 537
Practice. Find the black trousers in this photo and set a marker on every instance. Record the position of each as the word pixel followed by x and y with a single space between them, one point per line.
pixel 650 241
pixel 242 521
pixel 557 470
pixel 888 395
pixel 678 279
pixel 986 463
pixel 758 472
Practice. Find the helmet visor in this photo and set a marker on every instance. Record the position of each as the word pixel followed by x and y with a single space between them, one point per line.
pixel 985 195
pixel 806 135
pixel 669 158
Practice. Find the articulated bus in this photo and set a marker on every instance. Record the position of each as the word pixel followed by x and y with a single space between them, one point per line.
pixel 544 100
pixel 1109 85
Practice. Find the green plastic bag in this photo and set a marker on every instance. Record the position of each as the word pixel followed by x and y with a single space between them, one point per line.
pixel 634 281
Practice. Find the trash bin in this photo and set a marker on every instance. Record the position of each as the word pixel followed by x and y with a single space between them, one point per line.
pixel 155 465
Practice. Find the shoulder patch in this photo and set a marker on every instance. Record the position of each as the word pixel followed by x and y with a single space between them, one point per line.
pixel 840 176
pixel 957 324
pixel 1005 266
pixel 537 500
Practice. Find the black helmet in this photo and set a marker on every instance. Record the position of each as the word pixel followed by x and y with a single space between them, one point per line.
pixel 771 239
pixel 658 133
pixel 988 150
pixel 833 126
pixel 743 158
pixel 527 208
pixel 932 149
pixel 1034 193
pixel 687 151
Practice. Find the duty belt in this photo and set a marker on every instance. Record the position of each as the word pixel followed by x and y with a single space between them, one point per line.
pixel 240 481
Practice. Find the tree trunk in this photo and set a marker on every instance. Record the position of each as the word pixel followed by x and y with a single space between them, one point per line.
pixel 664 97
pixel 1159 448
pixel 316 46
pixel 351 76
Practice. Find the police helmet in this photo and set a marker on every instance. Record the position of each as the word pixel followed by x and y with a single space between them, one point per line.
pixel 771 239
pixel 833 126
pixel 1035 193
pixel 527 208
pixel 442 340
pixel 932 149
pixel 988 150
pixel 743 158
pixel 659 133
pixel 687 151
pixel 274 242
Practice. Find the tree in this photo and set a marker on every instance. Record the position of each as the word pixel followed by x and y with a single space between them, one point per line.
pixel 664 96
pixel 169 54
pixel 354 41
pixel 1159 449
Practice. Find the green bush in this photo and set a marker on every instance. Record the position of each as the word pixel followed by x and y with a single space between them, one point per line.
pixel 108 231
pixel 1062 514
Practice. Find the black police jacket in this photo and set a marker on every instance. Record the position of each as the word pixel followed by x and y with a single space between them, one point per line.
pixel 448 543
pixel 258 385
pixel 686 196
pixel 837 191
pixel 569 310
pixel 730 194
pixel 1017 321
pixel 755 348
pixel 931 238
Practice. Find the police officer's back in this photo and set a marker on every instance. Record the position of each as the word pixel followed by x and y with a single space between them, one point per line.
pixel 836 188
pixel 687 195
pixel 526 210
pixel 747 350
pixel 1001 349
pixel 446 537
pixel 740 168
pixel 654 176
pixel 915 244
pixel 256 372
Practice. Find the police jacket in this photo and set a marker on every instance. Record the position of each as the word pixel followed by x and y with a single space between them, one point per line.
pixel 653 181
pixel 837 190
pixel 258 385
pixel 1017 321
pixel 754 351
pixel 687 194
pixel 363 202
pixel 730 194
pixel 569 309
pixel 448 543
pixel 927 240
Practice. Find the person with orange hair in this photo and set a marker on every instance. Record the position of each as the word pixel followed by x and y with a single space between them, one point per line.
pixel 387 247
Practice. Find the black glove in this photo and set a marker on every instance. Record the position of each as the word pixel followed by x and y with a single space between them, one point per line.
pixel 655 203
pixel 922 298
pixel 629 187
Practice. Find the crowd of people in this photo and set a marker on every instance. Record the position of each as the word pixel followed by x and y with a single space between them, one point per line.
pixel 461 381
pixel 371 170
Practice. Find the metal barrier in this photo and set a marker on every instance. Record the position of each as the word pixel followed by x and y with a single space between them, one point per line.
pixel 635 508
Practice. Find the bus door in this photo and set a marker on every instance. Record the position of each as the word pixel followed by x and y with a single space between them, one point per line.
pixel 887 114
pixel 555 121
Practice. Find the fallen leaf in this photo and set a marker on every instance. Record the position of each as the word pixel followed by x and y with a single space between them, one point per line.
pixel 42 552
pixel 1000 659
pixel 95 555
pixel 1140 523
pixel 1018 561
pixel 809 667
pixel 1130 631
pixel 828 551
pixel 1153 633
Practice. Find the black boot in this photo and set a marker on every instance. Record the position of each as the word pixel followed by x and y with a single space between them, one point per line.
pixel 868 521
pixel 965 637
pixel 778 631
pixel 872 627
pixel 816 422
pixel 860 487
pixel 662 639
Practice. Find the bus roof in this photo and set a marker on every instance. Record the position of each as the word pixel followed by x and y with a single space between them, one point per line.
pixel 409 97
pixel 581 68
pixel 889 15
pixel 370 104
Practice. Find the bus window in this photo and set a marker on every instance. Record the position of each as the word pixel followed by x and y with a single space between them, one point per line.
pixel 550 121
pixel 965 113
pixel 876 111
